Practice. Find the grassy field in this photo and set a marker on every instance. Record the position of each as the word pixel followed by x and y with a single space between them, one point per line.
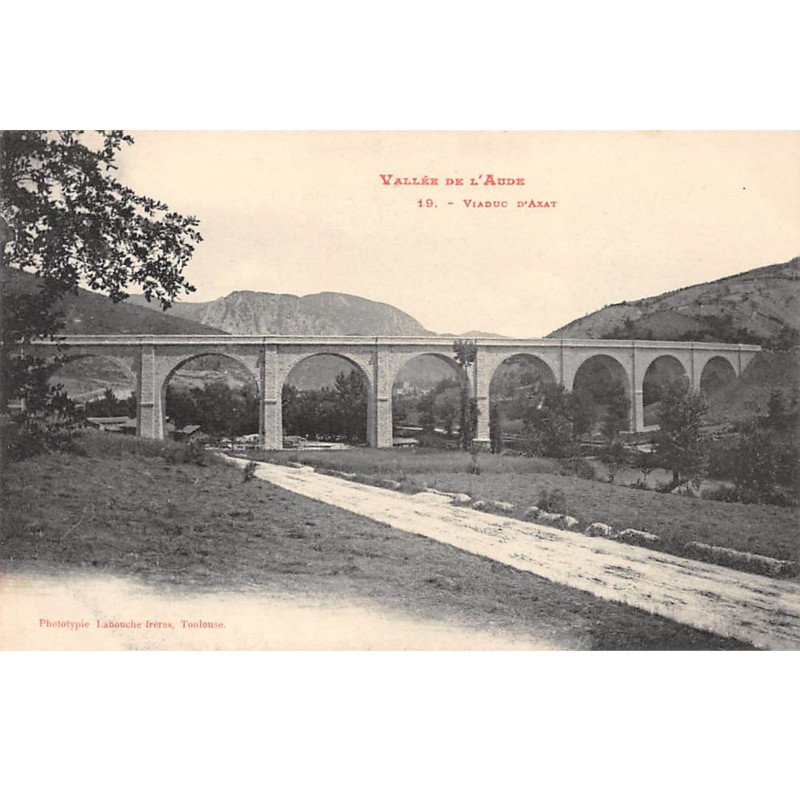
pixel 767 530
pixel 127 507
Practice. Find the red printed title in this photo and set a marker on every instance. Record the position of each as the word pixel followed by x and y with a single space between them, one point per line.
pixel 426 180
pixel 480 180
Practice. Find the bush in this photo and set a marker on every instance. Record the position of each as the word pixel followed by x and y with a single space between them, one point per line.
pixel 615 455
pixel 724 494
pixel 249 471
pixel 580 467
pixel 192 453
pixel 722 459
pixel 554 502
pixel 736 494
pixel 680 444
pixel 547 428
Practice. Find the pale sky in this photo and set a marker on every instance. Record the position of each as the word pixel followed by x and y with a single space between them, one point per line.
pixel 636 214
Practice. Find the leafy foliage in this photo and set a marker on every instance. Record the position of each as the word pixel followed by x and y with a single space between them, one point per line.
pixel 338 413
pixel 465 352
pixel 617 412
pixel 554 501
pixel 680 444
pixel 547 426
pixel 217 408
pixel 763 461
pixel 110 406
pixel 73 223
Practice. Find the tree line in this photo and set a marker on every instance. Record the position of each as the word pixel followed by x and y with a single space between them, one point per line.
pixel 336 413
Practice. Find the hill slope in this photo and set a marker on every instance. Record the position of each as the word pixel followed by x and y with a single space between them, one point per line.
pixel 749 396
pixel 760 306
pixel 261 313
pixel 92 313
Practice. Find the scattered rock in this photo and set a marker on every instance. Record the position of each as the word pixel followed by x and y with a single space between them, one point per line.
pixel 737 558
pixel 532 512
pixel 569 523
pixel 455 497
pixel 549 519
pixel 686 490
pixel 632 536
pixel 389 484
pixel 493 505
pixel 432 497
pixel 599 529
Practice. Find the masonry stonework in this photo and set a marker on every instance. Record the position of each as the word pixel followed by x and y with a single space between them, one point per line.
pixel 151 360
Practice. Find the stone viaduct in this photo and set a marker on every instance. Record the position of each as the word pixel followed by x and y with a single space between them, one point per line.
pixel 150 361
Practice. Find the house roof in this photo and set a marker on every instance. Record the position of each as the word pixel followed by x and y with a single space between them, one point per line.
pixel 188 429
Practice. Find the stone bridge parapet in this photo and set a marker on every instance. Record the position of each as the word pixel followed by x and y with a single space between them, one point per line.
pixel 151 360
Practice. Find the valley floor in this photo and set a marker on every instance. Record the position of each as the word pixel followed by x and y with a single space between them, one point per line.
pixel 180 538
pixel 752 608
pixel 763 529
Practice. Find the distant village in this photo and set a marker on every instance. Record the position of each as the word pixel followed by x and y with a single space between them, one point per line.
pixel 187 433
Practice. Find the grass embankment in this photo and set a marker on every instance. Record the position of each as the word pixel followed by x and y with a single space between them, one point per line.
pixel 766 530
pixel 129 508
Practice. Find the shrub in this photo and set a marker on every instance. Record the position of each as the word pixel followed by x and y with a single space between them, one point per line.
pixel 191 453
pixel 614 455
pixel 249 471
pixel 722 458
pixel 580 467
pixel 554 502
pixel 680 444
pixel 735 494
pixel 26 436
pixel 725 494
pixel 547 427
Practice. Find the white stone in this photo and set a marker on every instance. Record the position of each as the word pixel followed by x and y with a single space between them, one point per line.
pixel 599 529
pixel 532 512
pixel 633 535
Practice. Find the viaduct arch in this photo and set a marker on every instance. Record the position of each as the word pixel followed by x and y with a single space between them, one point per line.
pixel 270 359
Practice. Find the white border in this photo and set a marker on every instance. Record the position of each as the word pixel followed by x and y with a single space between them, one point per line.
pixel 413 724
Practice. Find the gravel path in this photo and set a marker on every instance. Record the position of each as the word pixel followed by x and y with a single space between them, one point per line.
pixel 751 608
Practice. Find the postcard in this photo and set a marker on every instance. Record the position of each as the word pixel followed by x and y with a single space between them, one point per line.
pixel 400 390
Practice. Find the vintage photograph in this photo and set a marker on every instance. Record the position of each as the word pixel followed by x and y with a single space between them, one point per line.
pixel 394 390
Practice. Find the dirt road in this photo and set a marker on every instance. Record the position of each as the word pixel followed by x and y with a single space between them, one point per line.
pixel 751 608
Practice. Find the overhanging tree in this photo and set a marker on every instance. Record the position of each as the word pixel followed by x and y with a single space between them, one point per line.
pixel 71 222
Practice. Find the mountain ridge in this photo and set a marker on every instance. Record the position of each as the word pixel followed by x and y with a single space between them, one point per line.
pixel 760 306
pixel 249 312
pixel 86 312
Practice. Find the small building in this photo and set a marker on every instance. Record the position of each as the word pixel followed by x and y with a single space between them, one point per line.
pixel 188 433
pixel 112 424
